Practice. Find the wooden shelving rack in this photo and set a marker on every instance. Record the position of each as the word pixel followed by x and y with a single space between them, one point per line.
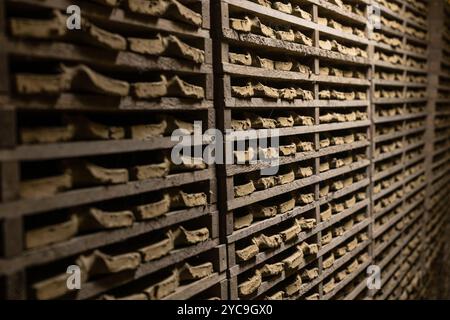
pixel 354 96
pixel 133 133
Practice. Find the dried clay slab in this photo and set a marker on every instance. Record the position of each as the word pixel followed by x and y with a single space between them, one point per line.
pixel 268 153
pixel 329 286
pixel 170 45
pixel 174 87
pixel 294 287
pixel 45 187
pixel 286 206
pixel 163 288
pixel 270 270
pixel 267 242
pixel 263 91
pixel 244 59
pixel 287 150
pixel 38 28
pixel 149 131
pixel 88 174
pixel 310 274
pixel 264 63
pixel 98 263
pixel 279 295
pixel 100 37
pixel 326 238
pixel 86 129
pixel 285 178
pixel 304 172
pixel 97 219
pixel 251 285
pixel 243 91
pixel 85 79
pixel 165 8
pixel 188 164
pixel 306 224
pixel 184 237
pixel 294 261
pixel 290 233
pixel 328 262
pixel 245 156
pixel 32 84
pixel 308 249
pixel 151 171
pixel 326 214
pixel 242 221
pixel 264 183
pixel 247 253
pixel 240 125
pixel 52 288
pixel 180 199
pixel 189 273
pixel 244 190
pixel 314 296
pixel 47 134
pixel 305 198
pixel 283 7
pixel 158 249
pixel 259 211
pixel 51 234
pixel 154 209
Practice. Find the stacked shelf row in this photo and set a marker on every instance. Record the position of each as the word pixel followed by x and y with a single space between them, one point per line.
pixel 297 72
pixel 399 114
pixel 86 168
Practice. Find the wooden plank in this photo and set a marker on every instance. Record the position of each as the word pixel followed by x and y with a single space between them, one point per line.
pixel 89 148
pixel 118 61
pixel 84 102
pixel 120 18
pixel 94 194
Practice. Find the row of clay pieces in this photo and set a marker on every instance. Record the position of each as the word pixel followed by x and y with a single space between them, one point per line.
pixel 254 25
pixel 333 45
pixel 294 262
pixel 263 242
pixel 260 90
pixel 287 175
pixel 393 59
pixel 337 72
pixel 341 27
pixel 84 79
pixel 90 219
pixel 81 174
pixel 248 59
pixel 164 288
pixel 289 119
pixel 286 7
pixel 79 128
pixel 310 274
pixel 391 41
pixel 291 173
pixel 55 28
pixel 343 117
pixel 350 7
pixel 416 64
pixel 337 140
pixel 259 211
pixel 342 95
